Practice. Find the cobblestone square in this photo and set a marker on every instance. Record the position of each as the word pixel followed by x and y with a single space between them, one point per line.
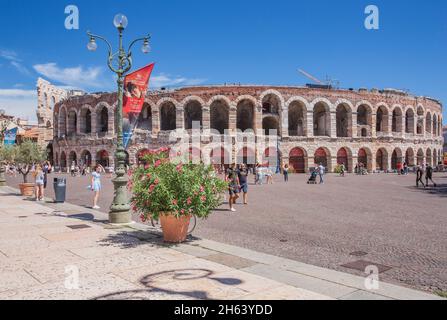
pixel 382 215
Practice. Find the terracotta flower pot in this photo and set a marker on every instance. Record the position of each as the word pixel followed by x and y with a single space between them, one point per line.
pixel 27 189
pixel 175 230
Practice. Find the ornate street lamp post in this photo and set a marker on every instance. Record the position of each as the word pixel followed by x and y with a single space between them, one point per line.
pixel 119 62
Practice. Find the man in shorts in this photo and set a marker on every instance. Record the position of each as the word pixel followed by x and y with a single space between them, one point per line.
pixel 233 185
pixel 243 181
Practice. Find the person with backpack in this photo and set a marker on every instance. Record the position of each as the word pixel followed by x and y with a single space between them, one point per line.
pixel 429 175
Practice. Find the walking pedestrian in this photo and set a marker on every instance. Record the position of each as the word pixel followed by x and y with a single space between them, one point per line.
pixel 39 182
pixel 342 170
pixel 321 172
pixel 285 171
pixel 46 171
pixel 73 169
pixel 233 186
pixel 243 181
pixel 419 175
pixel 429 175
pixel 96 184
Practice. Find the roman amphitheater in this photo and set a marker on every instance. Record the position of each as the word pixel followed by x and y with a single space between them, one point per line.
pixel 316 125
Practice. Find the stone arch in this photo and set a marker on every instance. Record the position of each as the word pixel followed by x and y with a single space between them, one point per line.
pixel 103 158
pixel 435 125
pixel 298 160
pixel 102 119
pixel 382 159
pixel 168 116
pixel 220 115
pixel 364 158
pixel 72 158
pixel 297 117
pixel 396 158
pixel 323 156
pixel 428 157
pixel 382 119
pixel 246 115
pixel 420 120
pixel 272 104
pixel 322 119
pixel 72 122
pixel 86 120
pixel 272 93
pixel 193 108
pixel 420 157
pixel 63 161
pixel 396 123
pixel 145 118
pixel 409 157
pixel 409 121
pixel 428 123
pixel 364 119
pixel 344 119
pixel 344 156
pixel 63 122
pixel 86 158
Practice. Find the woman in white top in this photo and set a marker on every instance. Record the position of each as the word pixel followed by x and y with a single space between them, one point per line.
pixel 96 184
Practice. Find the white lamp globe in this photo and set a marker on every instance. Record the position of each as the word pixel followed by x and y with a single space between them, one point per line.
pixel 120 21
pixel 92 46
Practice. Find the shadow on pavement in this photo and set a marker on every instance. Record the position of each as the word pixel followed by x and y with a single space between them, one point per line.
pixel 440 190
pixel 170 276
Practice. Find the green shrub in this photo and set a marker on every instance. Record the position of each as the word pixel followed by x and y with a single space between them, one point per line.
pixel 163 186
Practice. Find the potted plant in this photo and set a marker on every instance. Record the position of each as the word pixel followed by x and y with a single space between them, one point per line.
pixel 172 192
pixel 6 155
pixel 27 154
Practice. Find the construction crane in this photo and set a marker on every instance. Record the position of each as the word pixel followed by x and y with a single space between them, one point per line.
pixel 311 77
pixel 328 84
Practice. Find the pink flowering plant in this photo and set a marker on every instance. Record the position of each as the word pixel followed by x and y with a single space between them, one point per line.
pixel 163 186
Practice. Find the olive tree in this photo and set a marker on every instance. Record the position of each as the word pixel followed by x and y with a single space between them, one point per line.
pixel 28 154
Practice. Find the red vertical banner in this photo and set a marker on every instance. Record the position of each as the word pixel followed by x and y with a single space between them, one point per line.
pixel 135 89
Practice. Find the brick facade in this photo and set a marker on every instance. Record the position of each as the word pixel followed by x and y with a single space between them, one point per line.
pixel 338 125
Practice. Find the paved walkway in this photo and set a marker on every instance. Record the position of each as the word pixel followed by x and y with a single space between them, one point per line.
pixel 53 251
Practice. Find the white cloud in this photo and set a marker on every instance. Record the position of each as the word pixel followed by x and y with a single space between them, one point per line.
pixel 17 93
pixel 78 77
pixel 14 61
pixel 166 80
pixel 21 68
pixel 9 55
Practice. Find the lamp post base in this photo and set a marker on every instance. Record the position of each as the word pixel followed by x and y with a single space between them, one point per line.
pixel 120 218
pixel 2 177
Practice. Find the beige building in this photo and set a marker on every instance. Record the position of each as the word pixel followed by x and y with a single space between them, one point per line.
pixel 316 125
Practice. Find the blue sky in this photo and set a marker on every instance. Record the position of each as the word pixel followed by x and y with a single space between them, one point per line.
pixel 231 41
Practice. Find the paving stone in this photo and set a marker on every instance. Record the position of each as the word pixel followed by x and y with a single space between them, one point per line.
pixel 301 281
pixel 231 261
pixel 364 295
pixel 285 292
pixel 16 280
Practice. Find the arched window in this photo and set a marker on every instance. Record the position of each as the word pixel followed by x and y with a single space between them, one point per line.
pixel 245 115
pixel 322 120
pixel 364 120
pixel 103 120
pixel 219 114
pixel 297 119
pixel 168 116
pixel 397 120
pixel 193 115
pixel 382 119
pixel 344 120
pixel 409 121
